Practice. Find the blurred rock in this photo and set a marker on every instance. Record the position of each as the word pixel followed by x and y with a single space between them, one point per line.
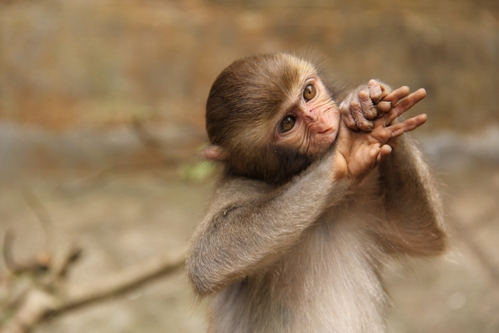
pixel 451 151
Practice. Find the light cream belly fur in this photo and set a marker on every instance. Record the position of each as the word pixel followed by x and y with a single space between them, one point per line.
pixel 328 282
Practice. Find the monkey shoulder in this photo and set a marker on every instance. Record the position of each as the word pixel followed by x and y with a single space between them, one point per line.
pixel 236 189
pixel 232 192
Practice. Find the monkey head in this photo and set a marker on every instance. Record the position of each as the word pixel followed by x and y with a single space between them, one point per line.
pixel 269 116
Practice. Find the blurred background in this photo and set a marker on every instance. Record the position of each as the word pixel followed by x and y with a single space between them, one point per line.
pixel 102 112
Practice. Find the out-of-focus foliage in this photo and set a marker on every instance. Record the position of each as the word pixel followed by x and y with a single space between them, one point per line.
pixel 198 171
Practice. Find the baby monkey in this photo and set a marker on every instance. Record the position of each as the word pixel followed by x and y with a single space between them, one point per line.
pixel 317 192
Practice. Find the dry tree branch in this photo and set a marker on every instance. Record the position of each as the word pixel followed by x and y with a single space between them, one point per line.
pixel 7 255
pixel 47 295
pixel 43 303
pixel 121 283
pixel 40 211
pixel 144 136
pixel 41 261
pixel 155 146
pixel 36 265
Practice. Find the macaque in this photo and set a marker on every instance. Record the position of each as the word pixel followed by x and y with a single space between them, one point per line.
pixel 319 189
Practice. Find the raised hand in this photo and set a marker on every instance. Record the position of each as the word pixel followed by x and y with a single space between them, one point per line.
pixel 357 152
pixel 364 104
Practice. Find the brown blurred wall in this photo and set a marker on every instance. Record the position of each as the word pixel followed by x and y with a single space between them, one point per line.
pixel 71 64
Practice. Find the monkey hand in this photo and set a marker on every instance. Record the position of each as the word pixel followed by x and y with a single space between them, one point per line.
pixel 359 152
pixel 364 104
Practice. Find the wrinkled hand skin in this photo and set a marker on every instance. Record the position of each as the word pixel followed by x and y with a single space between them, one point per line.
pixel 368 127
pixel 364 104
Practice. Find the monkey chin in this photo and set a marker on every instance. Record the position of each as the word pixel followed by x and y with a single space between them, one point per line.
pixel 323 141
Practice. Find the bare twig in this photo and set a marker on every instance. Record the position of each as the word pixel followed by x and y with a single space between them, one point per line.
pixel 45 298
pixel 8 257
pixel 34 309
pixel 47 293
pixel 121 283
pixel 145 137
pixel 40 211
pixel 155 145
pixel 36 265
pixel 42 303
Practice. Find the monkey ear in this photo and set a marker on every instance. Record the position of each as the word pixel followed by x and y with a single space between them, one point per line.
pixel 213 153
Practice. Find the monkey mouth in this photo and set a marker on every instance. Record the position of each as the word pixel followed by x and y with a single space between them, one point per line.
pixel 326 131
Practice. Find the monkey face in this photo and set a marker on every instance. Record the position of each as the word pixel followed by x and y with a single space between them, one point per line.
pixel 269 117
pixel 310 125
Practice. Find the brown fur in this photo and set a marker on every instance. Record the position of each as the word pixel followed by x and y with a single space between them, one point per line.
pixel 237 115
pixel 303 254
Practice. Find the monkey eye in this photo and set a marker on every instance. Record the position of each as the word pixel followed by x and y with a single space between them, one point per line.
pixel 287 124
pixel 309 92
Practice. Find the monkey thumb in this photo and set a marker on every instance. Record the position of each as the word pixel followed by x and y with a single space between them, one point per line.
pixel 213 153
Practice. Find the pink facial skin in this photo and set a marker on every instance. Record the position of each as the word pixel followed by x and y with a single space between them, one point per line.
pixel 316 122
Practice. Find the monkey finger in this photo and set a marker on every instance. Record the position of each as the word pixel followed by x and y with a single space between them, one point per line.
pixel 395 96
pixel 385 90
pixel 372 155
pixel 375 90
pixel 383 134
pixel 347 117
pixel 360 120
pixel 355 112
pixel 384 106
pixel 383 153
pixel 368 109
pixel 407 125
pixel 405 104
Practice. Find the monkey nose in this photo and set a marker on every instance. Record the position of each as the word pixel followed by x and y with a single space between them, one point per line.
pixel 311 115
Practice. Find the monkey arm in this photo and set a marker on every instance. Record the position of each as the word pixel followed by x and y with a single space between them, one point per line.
pixel 414 208
pixel 249 224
